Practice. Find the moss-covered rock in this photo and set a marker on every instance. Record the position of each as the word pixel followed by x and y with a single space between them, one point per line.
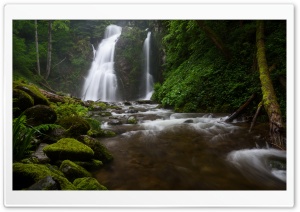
pixel 21 101
pixel 40 114
pixel 33 91
pixel 75 126
pixel 131 120
pixel 90 165
pixel 25 175
pixel 101 133
pixel 100 151
pixel 88 183
pixel 72 171
pixel 96 106
pixel 68 149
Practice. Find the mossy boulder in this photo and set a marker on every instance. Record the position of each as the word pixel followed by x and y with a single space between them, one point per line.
pixel 88 183
pixel 33 91
pixel 100 151
pixel 72 171
pixel 97 106
pixel 101 133
pixel 40 114
pixel 75 126
pixel 90 165
pixel 25 175
pixel 131 120
pixel 21 101
pixel 68 149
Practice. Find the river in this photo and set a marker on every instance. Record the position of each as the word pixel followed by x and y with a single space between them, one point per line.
pixel 188 151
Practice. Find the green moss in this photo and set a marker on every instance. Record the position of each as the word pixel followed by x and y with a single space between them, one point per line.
pixel 33 91
pixel 101 152
pixel 88 183
pixel 101 133
pixel 24 175
pixel 90 165
pixel 40 114
pixel 75 126
pixel 97 105
pixel 31 160
pixel 131 120
pixel 72 171
pixel 68 148
pixel 22 100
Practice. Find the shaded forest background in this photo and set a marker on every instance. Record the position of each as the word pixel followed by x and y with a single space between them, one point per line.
pixel 198 66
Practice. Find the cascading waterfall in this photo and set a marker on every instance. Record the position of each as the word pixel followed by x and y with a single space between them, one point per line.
pixel 149 78
pixel 101 83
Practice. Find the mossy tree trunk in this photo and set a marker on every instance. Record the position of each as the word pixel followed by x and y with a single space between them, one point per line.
pixel 269 97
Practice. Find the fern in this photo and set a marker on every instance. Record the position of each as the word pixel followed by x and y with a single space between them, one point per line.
pixel 23 135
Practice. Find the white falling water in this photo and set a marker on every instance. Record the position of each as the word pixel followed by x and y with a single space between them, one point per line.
pixel 101 82
pixel 149 78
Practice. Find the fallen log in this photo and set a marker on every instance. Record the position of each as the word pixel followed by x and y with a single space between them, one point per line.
pixel 52 97
pixel 240 110
pixel 255 116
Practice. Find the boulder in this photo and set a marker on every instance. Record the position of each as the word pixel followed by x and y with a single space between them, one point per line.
pixel 100 151
pixel 105 114
pixel 53 135
pixel 131 120
pixel 47 183
pixel 90 165
pixel 40 155
pixel 115 122
pixel 88 183
pixel 68 149
pixel 22 101
pixel 75 126
pixel 72 171
pixel 40 114
pixel 132 111
pixel 33 91
pixel 101 133
pixel 25 175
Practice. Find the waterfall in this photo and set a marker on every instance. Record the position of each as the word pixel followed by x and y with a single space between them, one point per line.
pixel 101 82
pixel 148 76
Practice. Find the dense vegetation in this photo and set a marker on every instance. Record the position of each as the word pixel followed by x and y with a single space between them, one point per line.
pixel 199 77
pixel 192 72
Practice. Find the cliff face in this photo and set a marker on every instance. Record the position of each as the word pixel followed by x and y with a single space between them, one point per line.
pixel 128 62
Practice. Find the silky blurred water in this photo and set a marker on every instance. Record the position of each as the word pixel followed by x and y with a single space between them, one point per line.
pixel 176 151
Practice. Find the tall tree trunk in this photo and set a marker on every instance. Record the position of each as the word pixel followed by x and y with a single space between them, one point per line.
pixel 215 39
pixel 269 98
pixel 37 49
pixel 48 68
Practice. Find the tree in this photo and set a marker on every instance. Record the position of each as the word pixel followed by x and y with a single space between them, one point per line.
pixel 214 38
pixel 37 49
pixel 269 97
pixel 48 68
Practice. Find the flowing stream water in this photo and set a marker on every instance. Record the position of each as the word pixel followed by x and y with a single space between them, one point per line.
pixel 188 151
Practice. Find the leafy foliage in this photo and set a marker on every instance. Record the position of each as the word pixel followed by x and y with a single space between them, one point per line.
pixel 23 136
pixel 198 77
pixel 69 109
